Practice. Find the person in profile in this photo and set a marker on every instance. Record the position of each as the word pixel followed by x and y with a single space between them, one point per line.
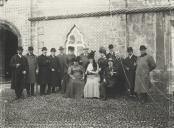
pixel 19 67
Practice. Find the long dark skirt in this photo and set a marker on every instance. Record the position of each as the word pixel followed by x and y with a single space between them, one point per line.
pixel 74 88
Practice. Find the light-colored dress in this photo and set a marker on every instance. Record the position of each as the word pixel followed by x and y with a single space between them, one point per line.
pixel 92 86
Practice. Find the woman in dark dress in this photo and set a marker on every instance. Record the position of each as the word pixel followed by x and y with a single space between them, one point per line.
pixel 76 82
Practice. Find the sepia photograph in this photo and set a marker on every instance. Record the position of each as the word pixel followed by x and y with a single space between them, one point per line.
pixel 86 63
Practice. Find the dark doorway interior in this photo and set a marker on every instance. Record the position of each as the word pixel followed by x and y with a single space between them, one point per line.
pixel 8 47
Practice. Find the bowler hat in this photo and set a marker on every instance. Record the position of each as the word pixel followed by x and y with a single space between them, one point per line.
pixel 129 49
pixel 111 46
pixel 70 48
pixel 30 48
pixel 44 49
pixel 142 47
pixel 20 48
pixel 61 48
pixel 53 50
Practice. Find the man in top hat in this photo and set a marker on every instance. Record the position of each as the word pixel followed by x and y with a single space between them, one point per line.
pixel 19 67
pixel 32 72
pixel 130 69
pixel 63 63
pixel 145 64
pixel 43 75
pixel 54 71
pixel 109 78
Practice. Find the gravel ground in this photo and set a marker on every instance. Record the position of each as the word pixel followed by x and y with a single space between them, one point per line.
pixel 54 111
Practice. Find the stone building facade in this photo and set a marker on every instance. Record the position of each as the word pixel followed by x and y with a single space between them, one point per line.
pixel 91 23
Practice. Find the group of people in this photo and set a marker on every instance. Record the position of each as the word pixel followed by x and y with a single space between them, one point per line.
pixel 82 76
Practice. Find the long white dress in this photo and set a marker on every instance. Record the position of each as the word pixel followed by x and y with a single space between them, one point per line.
pixel 92 86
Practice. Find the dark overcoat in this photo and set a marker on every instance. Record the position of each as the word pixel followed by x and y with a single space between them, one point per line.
pixel 102 63
pixel 130 69
pixel 63 63
pixel 43 64
pixel 54 71
pixel 18 78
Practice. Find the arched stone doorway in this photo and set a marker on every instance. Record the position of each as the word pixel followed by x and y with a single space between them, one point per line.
pixel 10 38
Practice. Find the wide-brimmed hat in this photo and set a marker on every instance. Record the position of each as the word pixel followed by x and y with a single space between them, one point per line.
pixel 61 48
pixel 30 48
pixel 142 47
pixel 53 50
pixel 44 49
pixel 20 48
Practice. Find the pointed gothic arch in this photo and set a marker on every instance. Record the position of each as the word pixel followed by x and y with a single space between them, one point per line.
pixel 75 39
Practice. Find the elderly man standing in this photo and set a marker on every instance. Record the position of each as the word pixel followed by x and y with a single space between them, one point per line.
pixel 32 72
pixel 19 66
pixel 43 76
pixel 130 68
pixel 145 64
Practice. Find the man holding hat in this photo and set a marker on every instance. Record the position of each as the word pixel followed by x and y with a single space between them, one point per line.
pixel 43 63
pixel 145 64
pixel 54 71
pixel 130 69
pixel 19 67
pixel 32 72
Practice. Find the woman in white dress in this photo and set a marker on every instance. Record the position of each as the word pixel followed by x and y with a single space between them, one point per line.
pixel 92 86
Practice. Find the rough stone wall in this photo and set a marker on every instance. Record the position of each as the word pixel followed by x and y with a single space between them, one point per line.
pixel 17 12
